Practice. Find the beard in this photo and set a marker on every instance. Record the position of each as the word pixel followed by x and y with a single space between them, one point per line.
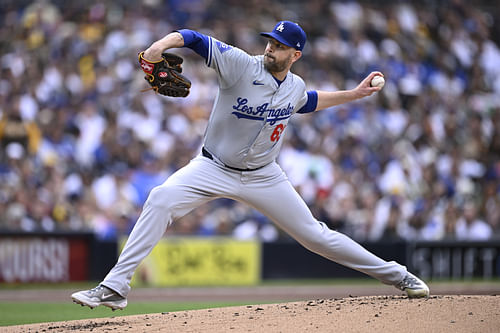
pixel 274 66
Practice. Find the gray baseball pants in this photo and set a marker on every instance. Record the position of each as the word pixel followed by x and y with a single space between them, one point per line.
pixel 267 190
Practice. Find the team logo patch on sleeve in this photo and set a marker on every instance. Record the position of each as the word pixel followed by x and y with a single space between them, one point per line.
pixel 223 47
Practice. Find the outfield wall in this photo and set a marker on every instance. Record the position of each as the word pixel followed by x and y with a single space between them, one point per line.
pixel 62 257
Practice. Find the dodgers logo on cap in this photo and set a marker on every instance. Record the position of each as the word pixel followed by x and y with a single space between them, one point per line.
pixel 288 33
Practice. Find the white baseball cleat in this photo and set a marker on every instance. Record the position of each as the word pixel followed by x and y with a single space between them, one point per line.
pixel 414 287
pixel 100 295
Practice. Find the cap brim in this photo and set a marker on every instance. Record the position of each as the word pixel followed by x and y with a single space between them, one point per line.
pixel 277 37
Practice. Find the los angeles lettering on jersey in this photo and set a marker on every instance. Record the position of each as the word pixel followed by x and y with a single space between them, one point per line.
pixel 259 112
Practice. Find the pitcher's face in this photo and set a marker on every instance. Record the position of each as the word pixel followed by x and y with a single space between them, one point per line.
pixel 279 57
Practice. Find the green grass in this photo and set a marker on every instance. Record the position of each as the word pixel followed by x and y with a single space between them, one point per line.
pixel 19 313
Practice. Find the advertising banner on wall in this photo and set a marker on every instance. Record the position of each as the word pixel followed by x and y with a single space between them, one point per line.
pixel 201 261
pixel 43 259
pixel 456 260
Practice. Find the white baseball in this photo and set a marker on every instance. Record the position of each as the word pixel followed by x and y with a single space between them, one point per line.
pixel 377 81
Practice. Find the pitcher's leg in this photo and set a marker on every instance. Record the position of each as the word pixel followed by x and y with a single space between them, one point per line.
pixel 281 203
pixel 185 190
pixel 146 233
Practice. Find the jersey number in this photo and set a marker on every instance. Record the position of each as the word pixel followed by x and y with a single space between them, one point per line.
pixel 277 132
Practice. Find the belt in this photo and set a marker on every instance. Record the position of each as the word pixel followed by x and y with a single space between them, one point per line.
pixel 205 153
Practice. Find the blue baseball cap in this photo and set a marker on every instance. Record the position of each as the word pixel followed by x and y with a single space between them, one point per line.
pixel 288 33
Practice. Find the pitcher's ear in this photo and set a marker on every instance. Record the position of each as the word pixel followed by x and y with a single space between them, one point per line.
pixel 297 55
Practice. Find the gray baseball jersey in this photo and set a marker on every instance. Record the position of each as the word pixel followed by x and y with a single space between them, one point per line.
pixel 251 110
pixel 245 130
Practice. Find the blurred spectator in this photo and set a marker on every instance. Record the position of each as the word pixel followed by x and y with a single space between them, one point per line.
pixel 15 128
pixel 470 226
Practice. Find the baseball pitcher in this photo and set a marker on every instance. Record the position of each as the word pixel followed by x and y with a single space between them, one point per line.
pixel 257 95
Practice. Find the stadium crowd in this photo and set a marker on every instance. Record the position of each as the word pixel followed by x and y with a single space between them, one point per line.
pixel 81 145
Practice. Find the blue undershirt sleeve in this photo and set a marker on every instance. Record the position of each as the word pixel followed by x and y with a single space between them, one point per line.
pixel 312 102
pixel 196 41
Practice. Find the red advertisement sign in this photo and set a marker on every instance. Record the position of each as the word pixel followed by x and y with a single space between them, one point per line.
pixel 43 259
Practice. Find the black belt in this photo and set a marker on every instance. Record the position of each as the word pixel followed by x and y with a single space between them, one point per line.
pixel 205 153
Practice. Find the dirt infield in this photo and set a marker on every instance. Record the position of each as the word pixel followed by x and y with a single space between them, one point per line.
pixel 472 313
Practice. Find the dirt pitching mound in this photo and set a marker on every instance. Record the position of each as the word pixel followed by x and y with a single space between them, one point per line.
pixel 354 314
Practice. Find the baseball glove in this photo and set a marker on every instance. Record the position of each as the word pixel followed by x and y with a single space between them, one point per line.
pixel 165 76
